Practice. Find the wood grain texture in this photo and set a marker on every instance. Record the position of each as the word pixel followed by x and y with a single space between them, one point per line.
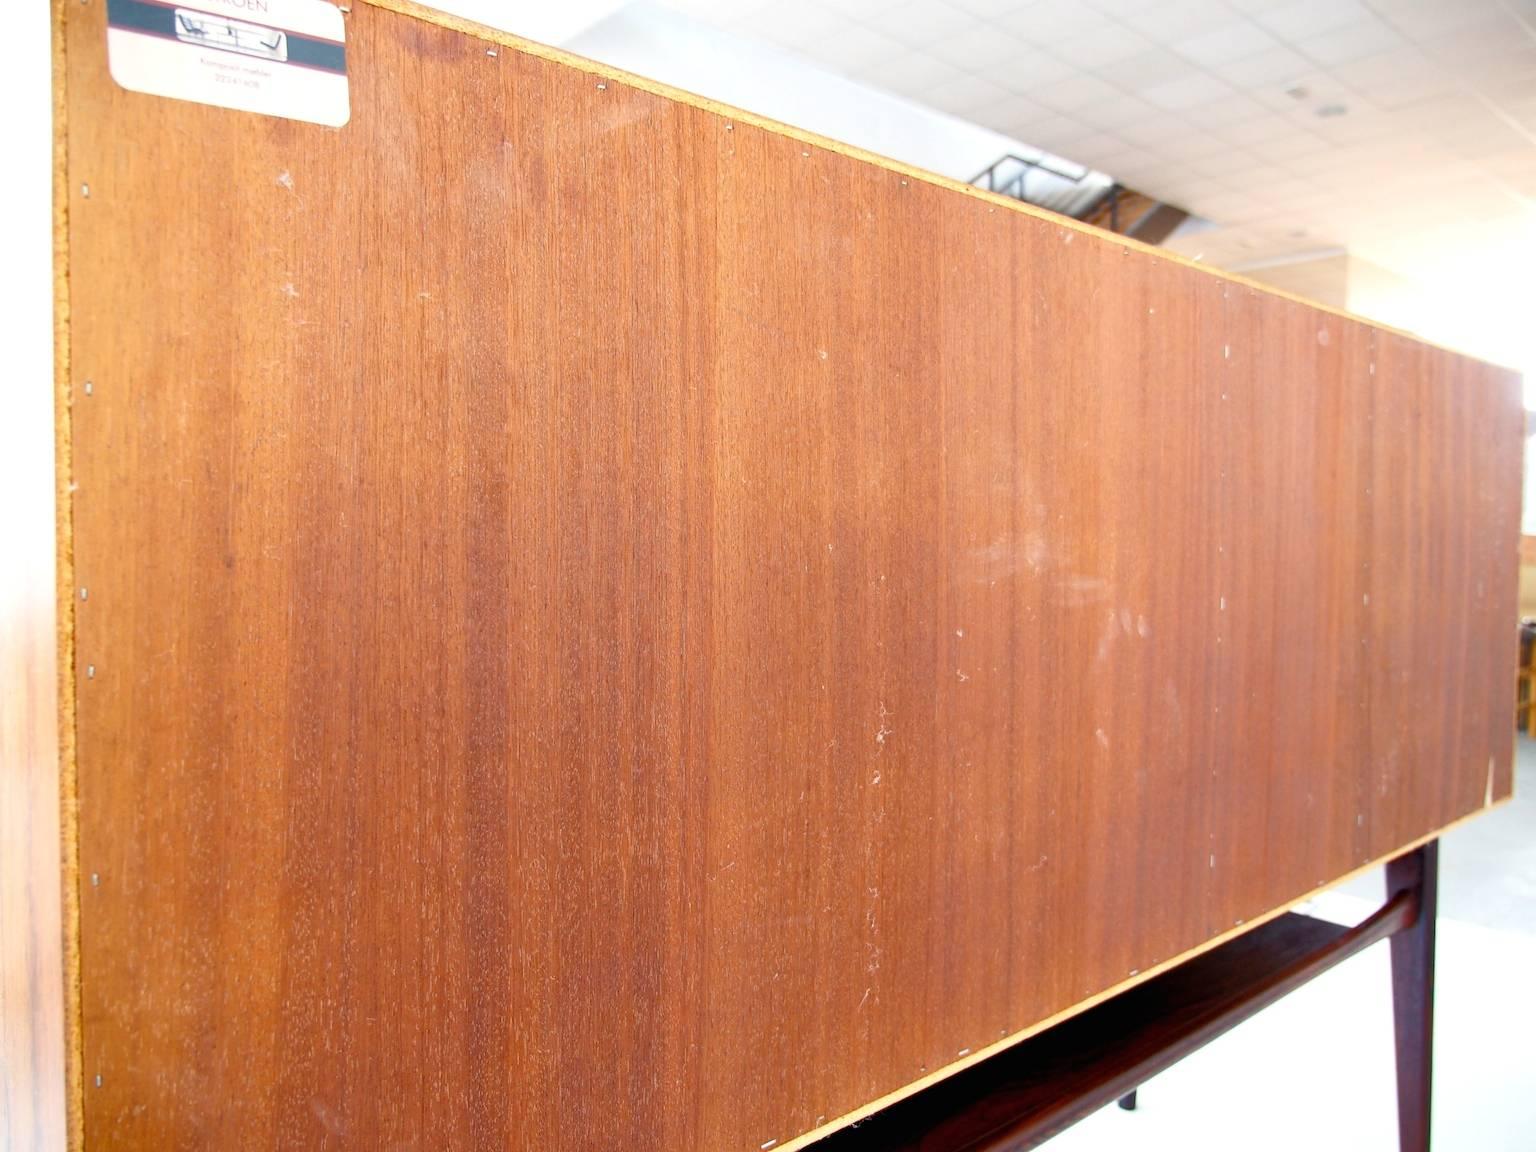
pixel 616 626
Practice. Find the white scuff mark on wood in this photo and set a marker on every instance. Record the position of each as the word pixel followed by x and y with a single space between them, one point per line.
pixel 1213 860
pixel 864 1000
pixel 963 677
pixel 285 180
pixel 1084 589
pixel 1102 737
pixel 1037 551
pixel 1143 629
pixel 962 1052
pixel 1222 604
pixel 1038 864
pixel 767 1144
pixel 1107 637
pixel 885 730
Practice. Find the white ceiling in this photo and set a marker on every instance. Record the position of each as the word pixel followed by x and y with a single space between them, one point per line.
pixel 1429 169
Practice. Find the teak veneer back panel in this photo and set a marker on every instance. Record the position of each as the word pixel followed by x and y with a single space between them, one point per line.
pixel 610 625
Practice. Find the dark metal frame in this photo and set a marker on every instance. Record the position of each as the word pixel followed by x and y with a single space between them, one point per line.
pixel 1017 186
pixel 1026 1094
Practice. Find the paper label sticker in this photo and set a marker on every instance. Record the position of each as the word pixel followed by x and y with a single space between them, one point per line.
pixel 278 57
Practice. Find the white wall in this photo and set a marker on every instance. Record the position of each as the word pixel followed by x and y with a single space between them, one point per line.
pixel 31 965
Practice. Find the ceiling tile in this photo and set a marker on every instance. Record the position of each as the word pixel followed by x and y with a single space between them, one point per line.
pixel 793 22
pixel 1075 92
pixel 1508 87
pixel 1172 20
pixel 914 72
pixel 1032 70
pixel 855 49
pixel 920 22
pixel 1304 18
pixel 1233 40
pixel 1089 147
pixel 1303 94
pixel 1505 47
pixel 1146 70
pixel 1186 145
pixel 1119 9
pixel 1187 91
pixel 1216 204
pixel 1394 65
pixel 1350 42
pixel 1276 65
pixel 1361 123
pixel 1426 21
pixel 1126 160
pixel 1292 146
pixel 988 9
pixel 717 13
pixel 1056 133
pixel 1011 110
pixel 1118 110
pixel 978 47
pixel 1259 128
pixel 963 94
pixel 1051 21
pixel 1222 113
pixel 854 9
pixel 1102 47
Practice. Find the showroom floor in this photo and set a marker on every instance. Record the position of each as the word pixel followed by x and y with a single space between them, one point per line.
pixel 1316 1072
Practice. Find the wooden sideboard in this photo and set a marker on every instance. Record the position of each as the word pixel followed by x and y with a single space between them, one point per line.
pixel 594 620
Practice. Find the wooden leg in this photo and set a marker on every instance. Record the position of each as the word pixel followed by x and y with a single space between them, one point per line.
pixel 1128 1101
pixel 1413 994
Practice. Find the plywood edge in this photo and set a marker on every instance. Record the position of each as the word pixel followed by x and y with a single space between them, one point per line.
pixel 1238 929
pixel 69 831
pixel 608 73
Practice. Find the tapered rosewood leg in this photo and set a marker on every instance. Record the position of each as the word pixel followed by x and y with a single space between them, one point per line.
pixel 1413 994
